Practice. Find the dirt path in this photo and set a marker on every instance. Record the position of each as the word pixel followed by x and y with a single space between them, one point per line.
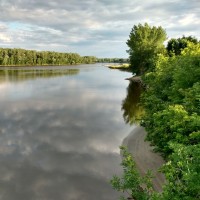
pixel 144 156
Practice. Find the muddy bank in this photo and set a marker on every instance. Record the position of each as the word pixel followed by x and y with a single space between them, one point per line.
pixel 144 156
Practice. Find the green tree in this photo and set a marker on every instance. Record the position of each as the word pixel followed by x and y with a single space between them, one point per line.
pixel 172 107
pixel 172 100
pixel 131 183
pixel 173 124
pixel 175 46
pixel 31 57
pixel 182 172
pixel 145 43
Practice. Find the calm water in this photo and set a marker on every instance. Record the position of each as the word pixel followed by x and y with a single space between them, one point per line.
pixel 60 128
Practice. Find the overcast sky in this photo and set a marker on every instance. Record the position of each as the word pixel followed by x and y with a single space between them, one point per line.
pixel 91 27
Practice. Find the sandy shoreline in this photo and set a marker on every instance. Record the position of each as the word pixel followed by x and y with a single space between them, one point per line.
pixel 144 156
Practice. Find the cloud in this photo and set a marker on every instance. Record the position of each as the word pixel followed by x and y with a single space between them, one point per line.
pixel 87 27
pixel 58 141
pixel 4 38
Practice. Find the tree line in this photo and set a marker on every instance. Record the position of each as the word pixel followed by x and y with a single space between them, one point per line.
pixel 113 60
pixel 171 102
pixel 17 56
pixel 146 43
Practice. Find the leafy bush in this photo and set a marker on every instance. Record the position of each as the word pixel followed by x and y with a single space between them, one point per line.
pixel 131 183
pixel 172 101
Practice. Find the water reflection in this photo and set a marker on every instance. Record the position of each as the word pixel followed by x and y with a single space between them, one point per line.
pixel 133 111
pixel 59 136
pixel 13 74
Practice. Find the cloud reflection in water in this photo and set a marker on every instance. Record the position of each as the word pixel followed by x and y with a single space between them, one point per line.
pixel 61 141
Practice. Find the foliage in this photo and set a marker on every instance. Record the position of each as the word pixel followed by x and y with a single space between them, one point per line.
pixel 112 60
pixel 172 121
pixel 192 50
pixel 131 183
pixel 173 124
pixel 192 98
pixel 182 172
pixel 145 43
pixel 172 101
pixel 31 57
pixel 175 46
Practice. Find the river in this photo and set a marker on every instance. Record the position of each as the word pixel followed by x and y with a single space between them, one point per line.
pixel 60 129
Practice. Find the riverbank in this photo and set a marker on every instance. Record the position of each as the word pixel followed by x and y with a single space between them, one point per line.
pixel 144 156
pixel 122 67
pixel 44 65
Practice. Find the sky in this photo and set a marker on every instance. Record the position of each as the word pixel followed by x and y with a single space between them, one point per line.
pixel 91 27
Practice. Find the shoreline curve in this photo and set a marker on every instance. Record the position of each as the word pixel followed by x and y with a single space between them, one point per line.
pixel 144 156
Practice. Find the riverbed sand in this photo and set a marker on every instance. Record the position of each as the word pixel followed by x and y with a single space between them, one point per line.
pixel 144 156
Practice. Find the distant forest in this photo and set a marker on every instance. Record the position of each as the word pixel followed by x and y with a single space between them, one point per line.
pixel 14 57
pixel 20 57
pixel 113 60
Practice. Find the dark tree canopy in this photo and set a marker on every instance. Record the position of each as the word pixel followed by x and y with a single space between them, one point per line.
pixel 145 43
pixel 175 46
